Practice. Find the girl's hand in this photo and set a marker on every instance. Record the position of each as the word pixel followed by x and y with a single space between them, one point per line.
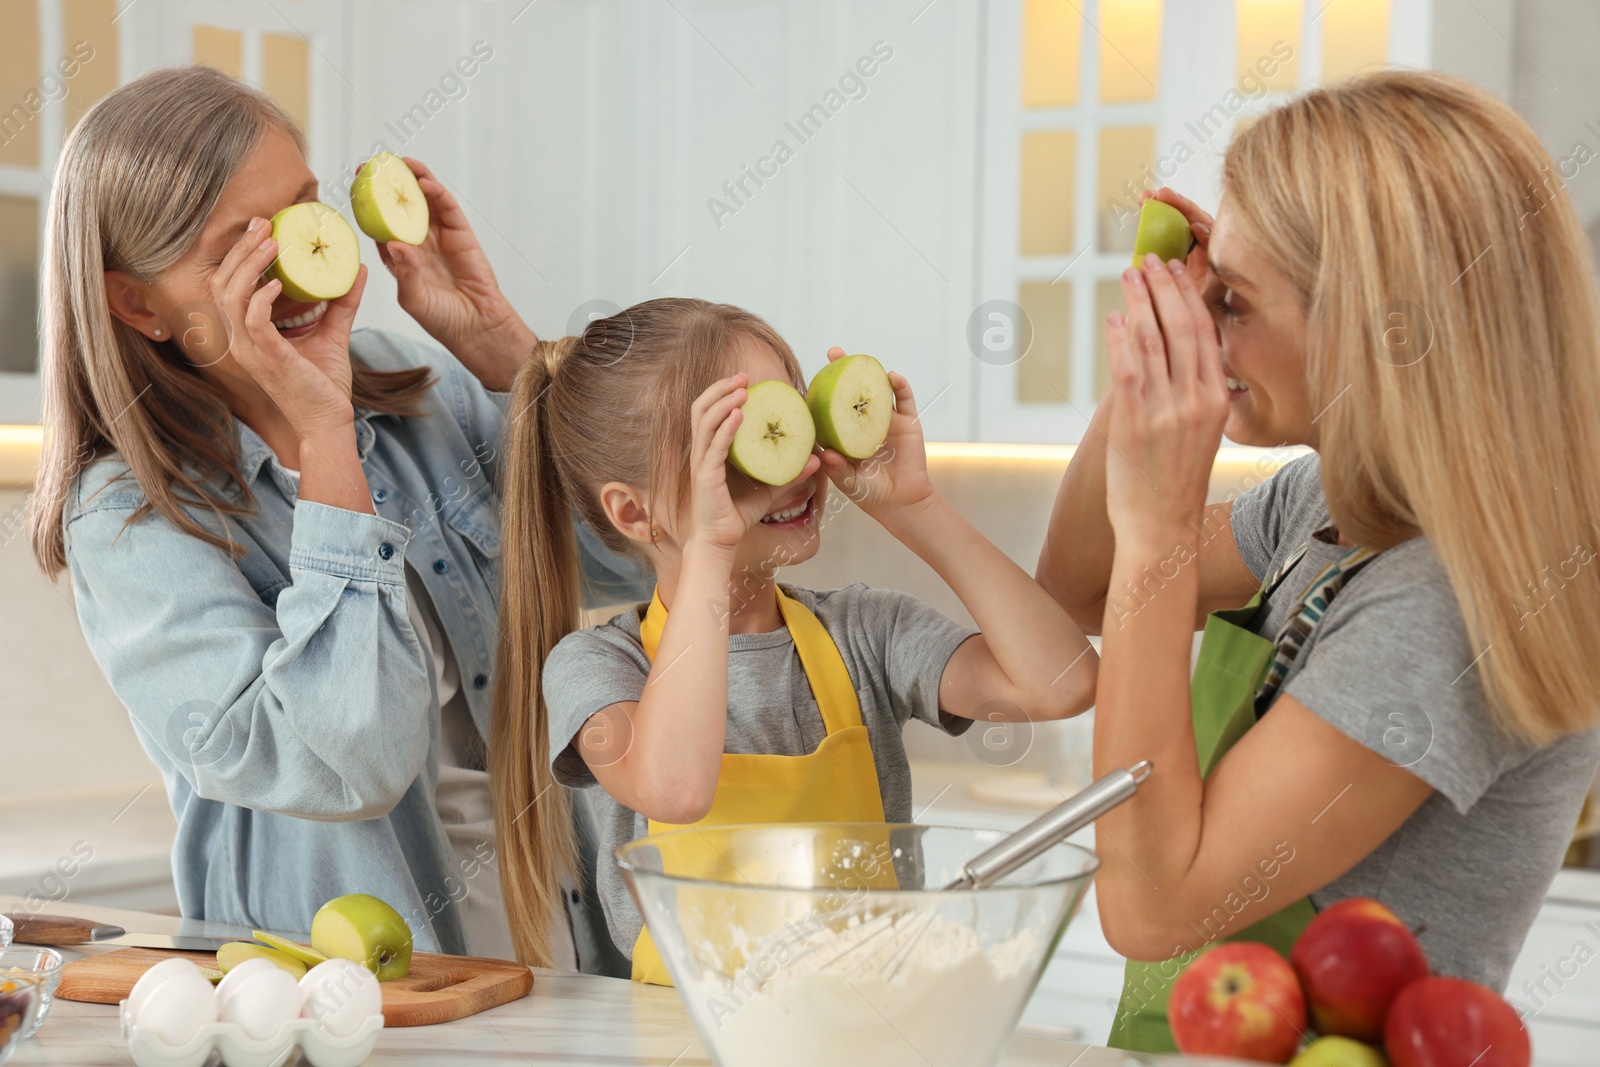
pixel 719 515
pixel 447 285
pixel 1200 224
pixel 896 478
pixel 1169 402
pixel 307 378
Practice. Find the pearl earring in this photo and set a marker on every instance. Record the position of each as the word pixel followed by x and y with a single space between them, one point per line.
pixel 158 331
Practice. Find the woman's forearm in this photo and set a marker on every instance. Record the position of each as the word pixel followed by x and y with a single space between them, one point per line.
pixel 331 471
pixel 495 356
pixel 1075 562
pixel 1142 712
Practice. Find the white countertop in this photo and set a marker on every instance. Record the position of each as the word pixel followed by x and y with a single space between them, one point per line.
pixel 568 1018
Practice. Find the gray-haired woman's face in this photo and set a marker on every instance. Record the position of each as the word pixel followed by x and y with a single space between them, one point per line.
pixel 180 301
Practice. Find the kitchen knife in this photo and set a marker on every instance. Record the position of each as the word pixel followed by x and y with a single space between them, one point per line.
pixel 66 931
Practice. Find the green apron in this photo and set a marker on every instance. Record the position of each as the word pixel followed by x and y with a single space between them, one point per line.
pixel 1232 665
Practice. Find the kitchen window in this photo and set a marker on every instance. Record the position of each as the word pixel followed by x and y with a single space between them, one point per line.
pixel 57 57
pixel 1089 101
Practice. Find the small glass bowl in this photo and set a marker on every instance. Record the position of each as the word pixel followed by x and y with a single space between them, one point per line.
pixel 19 1006
pixel 43 965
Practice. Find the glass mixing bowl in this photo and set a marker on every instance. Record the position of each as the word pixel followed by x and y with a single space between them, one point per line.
pixel 810 943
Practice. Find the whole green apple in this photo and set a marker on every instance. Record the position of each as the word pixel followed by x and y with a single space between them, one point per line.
pixel 1338 1051
pixel 365 930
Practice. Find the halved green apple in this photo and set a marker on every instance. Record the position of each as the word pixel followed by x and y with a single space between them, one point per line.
pixel 304 953
pixel 774 441
pixel 318 255
pixel 1162 230
pixel 363 929
pixel 234 953
pixel 851 402
pixel 388 202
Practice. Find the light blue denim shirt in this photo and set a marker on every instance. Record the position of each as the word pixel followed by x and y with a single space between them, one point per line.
pixel 284 695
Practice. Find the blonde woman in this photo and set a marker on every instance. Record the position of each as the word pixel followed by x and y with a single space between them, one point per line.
pixel 1411 612
pixel 283 537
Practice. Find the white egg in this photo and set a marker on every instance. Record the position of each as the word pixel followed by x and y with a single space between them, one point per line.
pixel 262 1002
pixel 175 1010
pixel 339 996
pixel 154 976
pixel 235 978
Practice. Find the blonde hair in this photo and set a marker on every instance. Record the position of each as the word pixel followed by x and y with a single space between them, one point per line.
pixel 1416 201
pixel 610 405
pixel 138 180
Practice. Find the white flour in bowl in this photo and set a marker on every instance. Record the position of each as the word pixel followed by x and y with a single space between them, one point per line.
pixel 945 1001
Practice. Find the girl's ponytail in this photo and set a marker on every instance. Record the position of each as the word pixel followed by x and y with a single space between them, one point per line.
pixel 539 605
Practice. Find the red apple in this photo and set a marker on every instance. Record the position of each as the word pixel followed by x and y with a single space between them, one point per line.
pixel 1238 999
pixel 1353 959
pixel 1448 1022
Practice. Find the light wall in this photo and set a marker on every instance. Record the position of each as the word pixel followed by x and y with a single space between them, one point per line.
pixel 60 711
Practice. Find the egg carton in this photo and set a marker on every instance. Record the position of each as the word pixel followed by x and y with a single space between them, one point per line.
pixel 238 1049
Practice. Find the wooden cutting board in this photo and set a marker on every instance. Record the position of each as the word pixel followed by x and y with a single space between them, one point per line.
pixel 438 989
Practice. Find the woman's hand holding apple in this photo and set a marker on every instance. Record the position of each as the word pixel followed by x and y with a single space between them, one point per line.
pixel 1201 224
pixel 1169 403
pixel 447 285
pixel 307 378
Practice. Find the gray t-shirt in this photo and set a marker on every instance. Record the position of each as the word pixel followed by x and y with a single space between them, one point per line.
pixel 894 646
pixel 1391 665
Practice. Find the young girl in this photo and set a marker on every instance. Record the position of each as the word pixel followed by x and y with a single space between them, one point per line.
pixel 726 699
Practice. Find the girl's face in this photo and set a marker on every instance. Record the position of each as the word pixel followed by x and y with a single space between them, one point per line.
pixel 180 303
pixel 1263 328
pixel 791 530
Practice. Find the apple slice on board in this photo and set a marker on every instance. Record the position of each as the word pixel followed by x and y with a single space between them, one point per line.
pixel 388 202
pixel 304 953
pixel 851 402
pixel 234 953
pixel 1164 231
pixel 365 930
pixel 775 439
pixel 318 256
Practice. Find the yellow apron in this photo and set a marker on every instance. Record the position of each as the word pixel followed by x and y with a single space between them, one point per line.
pixel 836 783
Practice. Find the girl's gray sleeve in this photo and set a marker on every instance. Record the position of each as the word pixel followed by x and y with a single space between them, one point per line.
pixel 918 641
pixel 588 670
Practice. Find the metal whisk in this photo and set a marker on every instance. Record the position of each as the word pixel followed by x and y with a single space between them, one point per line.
pixel 993 864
